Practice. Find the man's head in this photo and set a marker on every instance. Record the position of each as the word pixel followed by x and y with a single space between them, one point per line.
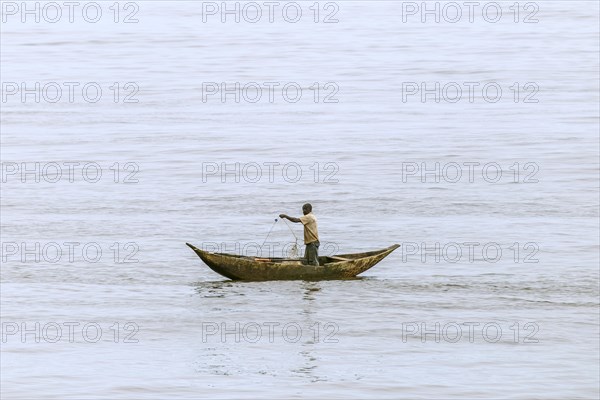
pixel 306 208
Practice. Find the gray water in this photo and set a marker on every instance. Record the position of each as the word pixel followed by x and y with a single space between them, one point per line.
pixel 528 316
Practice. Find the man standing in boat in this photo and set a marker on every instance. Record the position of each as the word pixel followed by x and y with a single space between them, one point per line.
pixel 311 235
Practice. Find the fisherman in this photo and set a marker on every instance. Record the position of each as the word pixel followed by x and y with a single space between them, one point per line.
pixel 311 235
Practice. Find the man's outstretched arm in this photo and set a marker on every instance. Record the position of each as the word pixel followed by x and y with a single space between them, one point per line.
pixel 289 218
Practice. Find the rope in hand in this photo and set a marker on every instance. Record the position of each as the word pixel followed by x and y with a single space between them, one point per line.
pixel 291 230
pixel 294 251
pixel 295 247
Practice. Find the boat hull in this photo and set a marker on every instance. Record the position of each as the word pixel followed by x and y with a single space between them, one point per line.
pixel 343 266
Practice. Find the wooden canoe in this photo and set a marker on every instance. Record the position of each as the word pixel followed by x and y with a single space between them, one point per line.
pixel 246 268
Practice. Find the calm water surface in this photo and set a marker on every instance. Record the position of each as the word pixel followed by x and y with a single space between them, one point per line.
pixel 402 330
